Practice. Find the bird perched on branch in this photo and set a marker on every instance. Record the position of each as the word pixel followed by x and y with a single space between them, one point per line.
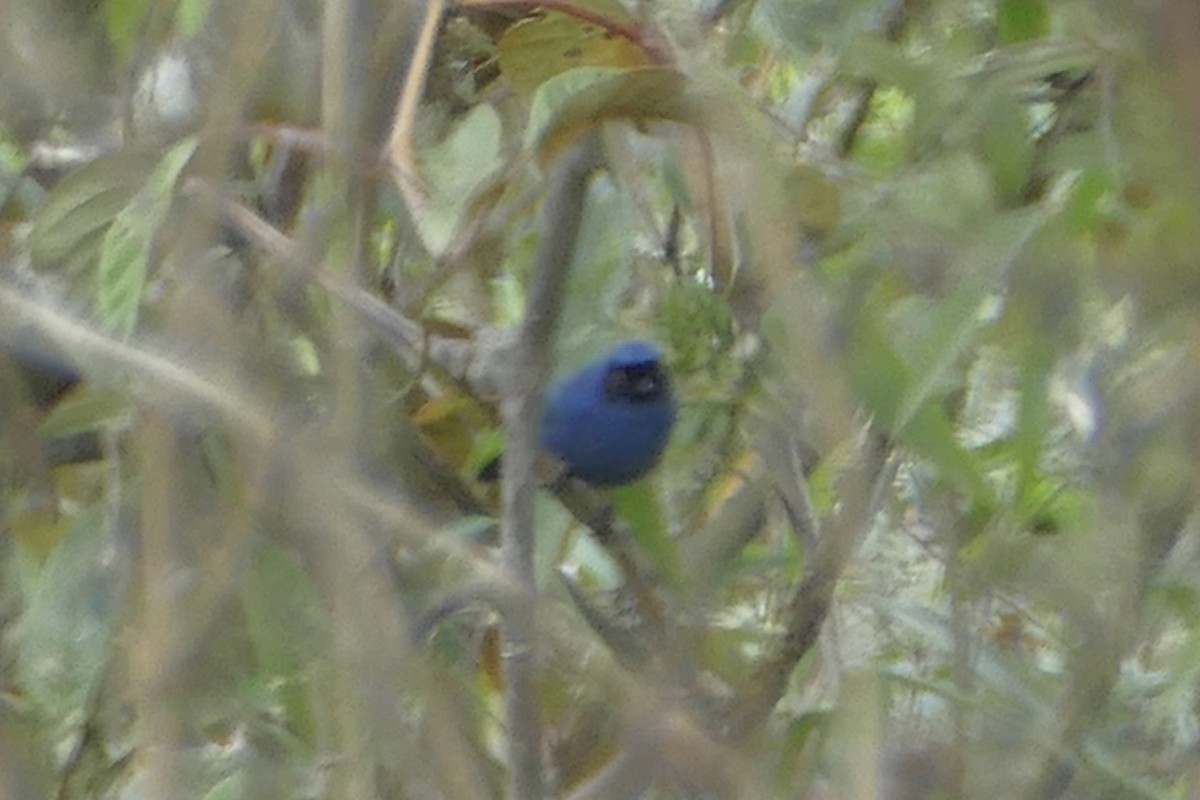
pixel 609 421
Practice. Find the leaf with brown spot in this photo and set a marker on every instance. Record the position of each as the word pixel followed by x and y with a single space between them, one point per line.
pixel 540 47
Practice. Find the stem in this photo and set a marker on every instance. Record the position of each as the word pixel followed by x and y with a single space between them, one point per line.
pixel 521 387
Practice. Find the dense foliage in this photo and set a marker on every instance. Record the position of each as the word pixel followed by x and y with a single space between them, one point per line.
pixel 280 276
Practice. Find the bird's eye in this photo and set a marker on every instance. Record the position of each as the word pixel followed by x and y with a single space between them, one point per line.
pixel 635 383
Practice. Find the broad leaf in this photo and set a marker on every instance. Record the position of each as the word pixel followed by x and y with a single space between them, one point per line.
pixel 642 510
pixel 85 408
pixel 542 46
pixel 68 623
pixel 459 170
pixel 569 104
pixel 286 627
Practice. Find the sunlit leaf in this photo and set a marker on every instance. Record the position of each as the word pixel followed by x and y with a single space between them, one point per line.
pixel 125 254
pixel 639 506
pixel 190 16
pixel 85 408
pixel 123 21
pixel 1087 207
pixel 1019 20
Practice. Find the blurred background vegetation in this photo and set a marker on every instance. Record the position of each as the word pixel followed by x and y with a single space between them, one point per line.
pixel 925 274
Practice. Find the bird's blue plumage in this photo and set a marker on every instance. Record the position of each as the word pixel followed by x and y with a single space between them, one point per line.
pixel 611 420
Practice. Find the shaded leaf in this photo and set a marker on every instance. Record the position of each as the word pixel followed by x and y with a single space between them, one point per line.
pixel 70 226
pixel 817 199
pixel 548 44
pixel 458 171
pixel 1007 147
pixel 69 620
pixel 1019 20
pixel 286 627
pixel 888 389
pixel 569 104
pixel 190 16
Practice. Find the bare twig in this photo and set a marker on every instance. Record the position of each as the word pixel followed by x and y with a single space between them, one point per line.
pixel 521 386
pixel 866 486
pixel 402 147
pixel 161 381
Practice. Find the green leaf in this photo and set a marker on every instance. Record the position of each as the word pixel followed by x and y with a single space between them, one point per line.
pixel 575 101
pixel 125 254
pixel 1048 507
pixel 68 623
pixel 231 787
pixel 70 226
pixel 286 627
pixel 459 171
pixel 1087 207
pixel 902 405
pixel 812 24
pixel 1021 20
pixel 949 330
pixel 190 16
pixel 640 507
pixel 539 47
pixel 1007 147
pixel 85 408
pixel 1033 415
pixel 123 22
pixel 798 733
pixel 599 274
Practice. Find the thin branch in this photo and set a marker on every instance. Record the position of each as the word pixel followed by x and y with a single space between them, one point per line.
pixel 469 362
pixel 402 147
pixel 521 386
pixel 866 487
pixel 326 486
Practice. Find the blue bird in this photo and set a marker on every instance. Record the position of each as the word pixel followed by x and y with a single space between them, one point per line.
pixel 610 421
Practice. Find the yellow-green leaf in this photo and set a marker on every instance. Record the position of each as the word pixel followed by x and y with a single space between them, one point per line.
pixel 542 46
pixel 125 254
pixel 85 408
